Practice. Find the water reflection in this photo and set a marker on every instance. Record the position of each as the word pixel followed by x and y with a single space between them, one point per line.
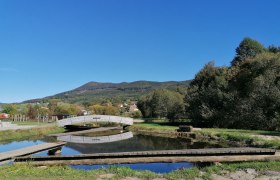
pixel 95 140
pixel 138 142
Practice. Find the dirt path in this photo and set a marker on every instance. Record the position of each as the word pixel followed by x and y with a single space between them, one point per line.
pixel 15 127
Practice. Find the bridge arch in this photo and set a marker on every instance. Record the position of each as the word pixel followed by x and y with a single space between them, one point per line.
pixel 95 118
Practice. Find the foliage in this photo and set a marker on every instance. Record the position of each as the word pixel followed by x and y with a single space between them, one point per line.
pixel 68 109
pixel 245 95
pixel 32 111
pixel 246 49
pixel 9 109
pixel 208 98
pixel 136 114
pixel 104 110
pixel 257 86
pixel 274 49
pixel 162 103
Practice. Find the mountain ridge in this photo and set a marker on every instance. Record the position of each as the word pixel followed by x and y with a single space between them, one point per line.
pixel 116 92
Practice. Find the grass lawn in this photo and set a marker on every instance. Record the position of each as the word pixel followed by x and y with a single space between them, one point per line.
pixel 153 127
pixel 250 137
pixel 28 134
pixel 26 171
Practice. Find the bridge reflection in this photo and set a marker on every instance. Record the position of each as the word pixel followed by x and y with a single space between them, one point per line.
pixel 95 140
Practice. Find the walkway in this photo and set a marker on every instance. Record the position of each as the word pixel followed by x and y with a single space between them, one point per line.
pixel 29 150
pixel 186 155
pixel 16 127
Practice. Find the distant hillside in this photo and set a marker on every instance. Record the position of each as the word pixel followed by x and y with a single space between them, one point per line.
pixel 115 92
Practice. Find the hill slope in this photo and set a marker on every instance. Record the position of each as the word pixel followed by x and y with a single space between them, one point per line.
pixel 115 92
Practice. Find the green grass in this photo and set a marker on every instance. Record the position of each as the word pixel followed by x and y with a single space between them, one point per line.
pixel 189 173
pixel 153 127
pixel 26 171
pixel 244 136
pixel 243 131
pixel 28 134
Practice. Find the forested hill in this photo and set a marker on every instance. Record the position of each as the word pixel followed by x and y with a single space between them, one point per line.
pixel 115 92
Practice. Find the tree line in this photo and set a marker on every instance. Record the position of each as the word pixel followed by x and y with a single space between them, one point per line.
pixel 245 94
pixel 56 107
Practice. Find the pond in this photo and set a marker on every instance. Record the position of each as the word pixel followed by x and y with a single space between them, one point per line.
pixel 137 142
pixel 154 167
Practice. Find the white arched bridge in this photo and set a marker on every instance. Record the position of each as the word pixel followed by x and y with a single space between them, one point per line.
pixel 95 118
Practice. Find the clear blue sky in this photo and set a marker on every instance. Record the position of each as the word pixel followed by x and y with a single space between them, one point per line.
pixel 50 46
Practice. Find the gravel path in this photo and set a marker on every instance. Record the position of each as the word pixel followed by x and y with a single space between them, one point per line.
pixel 248 174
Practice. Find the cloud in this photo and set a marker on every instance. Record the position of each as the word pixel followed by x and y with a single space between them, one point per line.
pixel 6 69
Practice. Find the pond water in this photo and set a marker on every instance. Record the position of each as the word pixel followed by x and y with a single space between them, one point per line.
pixel 138 142
pixel 154 167
pixel 18 144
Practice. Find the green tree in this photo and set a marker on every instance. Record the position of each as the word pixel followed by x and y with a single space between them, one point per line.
pixel 67 109
pixel 246 49
pixel 144 105
pixel 274 49
pixel 104 110
pixel 9 109
pixel 208 98
pixel 162 103
pixel 258 88
pixel 136 114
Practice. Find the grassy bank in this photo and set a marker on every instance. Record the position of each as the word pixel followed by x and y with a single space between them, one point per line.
pixel 249 137
pixel 246 137
pixel 28 134
pixel 63 172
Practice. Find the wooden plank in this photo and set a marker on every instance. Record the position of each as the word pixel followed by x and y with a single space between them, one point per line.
pixel 101 129
pixel 195 159
pixel 29 150
pixel 163 153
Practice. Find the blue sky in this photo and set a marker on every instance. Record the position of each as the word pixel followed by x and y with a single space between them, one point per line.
pixel 50 46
